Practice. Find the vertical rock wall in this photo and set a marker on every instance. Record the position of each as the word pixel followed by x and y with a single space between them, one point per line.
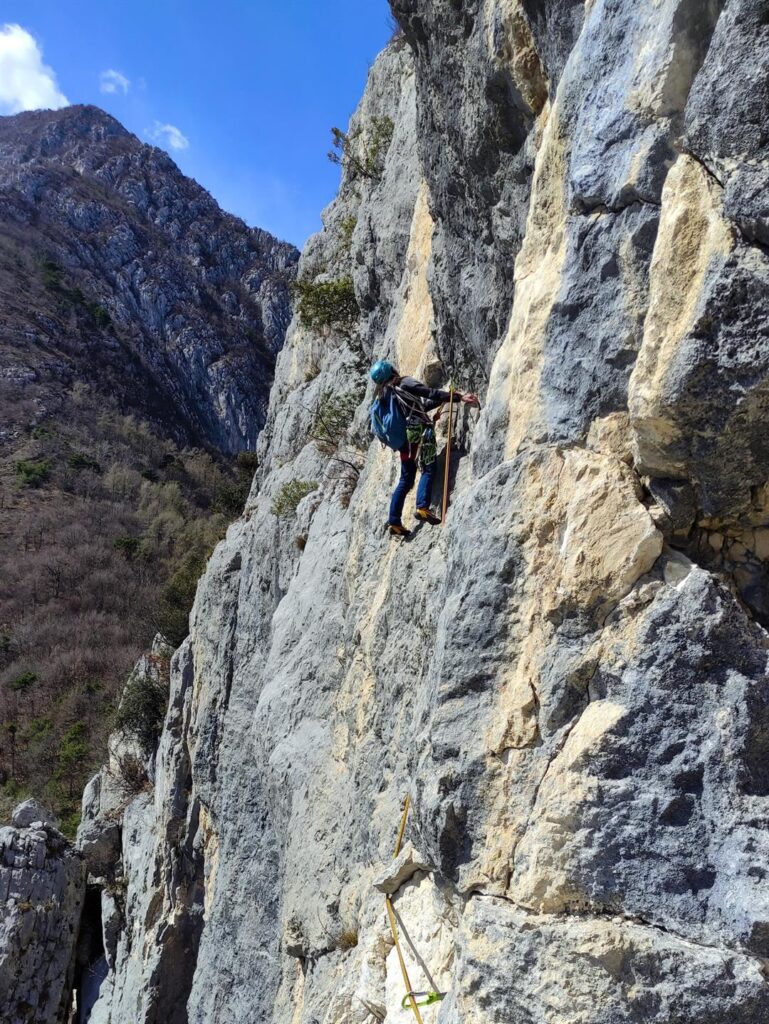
pixel 570 678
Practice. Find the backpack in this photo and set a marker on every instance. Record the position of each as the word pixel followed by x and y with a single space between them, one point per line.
pixel 388 419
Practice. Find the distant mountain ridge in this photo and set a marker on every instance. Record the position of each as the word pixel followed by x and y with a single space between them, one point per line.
pixel 183 306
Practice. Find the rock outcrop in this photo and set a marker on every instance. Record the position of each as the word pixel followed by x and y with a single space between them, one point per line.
pixel 42 888
pixel 569 679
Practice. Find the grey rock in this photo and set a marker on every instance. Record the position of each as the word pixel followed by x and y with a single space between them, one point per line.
pixel 42 888
pixel 727 116
pixel 677 500
pixel 30 812
pixel 595 327
pixel 622 117
pixel 672 979
pixel 113 923
pixel 475 114
pixel 715 389
pixel 396 874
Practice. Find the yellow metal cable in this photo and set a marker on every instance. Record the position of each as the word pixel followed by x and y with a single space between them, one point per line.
pixel 391 915
pixel 444 508
pixel 406 982
pixel 402 829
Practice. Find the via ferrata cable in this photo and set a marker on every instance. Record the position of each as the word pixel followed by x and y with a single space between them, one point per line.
pixel 447 466
pixel 391 916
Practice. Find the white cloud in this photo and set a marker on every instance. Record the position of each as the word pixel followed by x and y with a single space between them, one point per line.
pixel 25 82
pixel 114 81
pixel 170 135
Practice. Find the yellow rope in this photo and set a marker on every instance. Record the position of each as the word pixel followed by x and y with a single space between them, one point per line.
pixel 391 915
pixel 406 982
pixel 444 508
pixel 402 829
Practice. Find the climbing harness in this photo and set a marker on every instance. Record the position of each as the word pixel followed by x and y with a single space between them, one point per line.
pixel 412 998
pixel 444 507
pixel 428 450
pixel 422 437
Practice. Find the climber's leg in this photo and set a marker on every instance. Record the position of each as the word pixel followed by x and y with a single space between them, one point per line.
pixel 406 482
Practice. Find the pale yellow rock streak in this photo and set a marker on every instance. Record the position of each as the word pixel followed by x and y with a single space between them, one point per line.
pixel 517 369
pixel 415 325
pixel 692 236
pixel 588 542
pixel 426 932
pixel 511 43
pixel 211 847
pixel 543 880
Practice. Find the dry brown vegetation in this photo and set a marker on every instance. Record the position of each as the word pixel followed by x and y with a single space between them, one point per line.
pixel 104 530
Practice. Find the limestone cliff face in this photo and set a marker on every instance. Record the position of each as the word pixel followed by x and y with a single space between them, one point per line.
pixel 570 678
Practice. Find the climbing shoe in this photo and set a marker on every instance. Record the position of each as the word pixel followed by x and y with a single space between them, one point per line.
pixel 424 515
pixel 398 530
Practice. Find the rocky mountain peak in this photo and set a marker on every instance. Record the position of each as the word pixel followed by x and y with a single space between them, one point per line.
pixel 199 299
pixel 36 134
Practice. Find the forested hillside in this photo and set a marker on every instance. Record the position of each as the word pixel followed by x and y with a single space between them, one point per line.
pixel 139 326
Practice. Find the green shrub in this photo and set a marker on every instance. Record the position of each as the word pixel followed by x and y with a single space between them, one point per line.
pixel 52 275
pixel 99 314
pixel 327 304
pixel 71 762
pixel 333 416
pixel 41 432
pixel 23 682
pixel 80 460
pixel 362 152
pixel 382 129
pixel 141 712
pixel 247 463
pixel 131 775
pixel 38 729
pixel 346 229
pixel 53 280
pixel 289 496
pixel 12 792
pixel 69 819
pixel 31 473
pixel 230 498
pixel 127 546
pixel 177 597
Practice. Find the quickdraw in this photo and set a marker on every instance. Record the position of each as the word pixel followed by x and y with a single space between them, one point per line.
pixel 421 999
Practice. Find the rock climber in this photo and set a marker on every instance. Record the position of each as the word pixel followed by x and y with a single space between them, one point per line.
pixel 418 400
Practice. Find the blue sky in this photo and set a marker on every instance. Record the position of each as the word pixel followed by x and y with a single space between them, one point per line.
pixel 252 88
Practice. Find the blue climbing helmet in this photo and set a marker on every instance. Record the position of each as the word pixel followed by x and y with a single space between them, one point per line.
pixel 382 371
